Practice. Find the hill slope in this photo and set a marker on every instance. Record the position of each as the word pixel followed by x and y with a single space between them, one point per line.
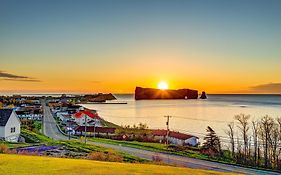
pixel 25 165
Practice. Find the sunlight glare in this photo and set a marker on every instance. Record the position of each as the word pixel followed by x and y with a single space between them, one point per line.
pixel 163 85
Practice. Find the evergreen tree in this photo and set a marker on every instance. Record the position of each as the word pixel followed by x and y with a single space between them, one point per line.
pixel 212 141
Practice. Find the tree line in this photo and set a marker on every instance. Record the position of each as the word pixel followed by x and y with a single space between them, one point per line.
pixel 256 142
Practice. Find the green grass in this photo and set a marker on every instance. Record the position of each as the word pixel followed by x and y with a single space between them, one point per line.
pixel 26 165
pixel 12 145
pixel 73 145
pixel 32 137
pixel 109 124
pixel 134 144
pixel 77 146
pixel 157 147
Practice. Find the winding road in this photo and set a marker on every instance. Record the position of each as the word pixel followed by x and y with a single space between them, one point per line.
pixel 50 129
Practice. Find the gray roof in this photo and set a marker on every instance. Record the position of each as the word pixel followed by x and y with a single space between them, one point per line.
pixel 4 116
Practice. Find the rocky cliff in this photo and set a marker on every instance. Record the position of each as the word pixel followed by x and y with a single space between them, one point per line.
pixel 203 95
pixel 150 93
pixel 98 97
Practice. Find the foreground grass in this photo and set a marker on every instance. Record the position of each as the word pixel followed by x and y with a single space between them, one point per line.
pixel 133 144
pixel 55 166
pixel 11 145
pixel 73 145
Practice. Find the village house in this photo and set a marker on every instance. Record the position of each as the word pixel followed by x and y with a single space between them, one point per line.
pixel 176 138
pixel 29 115
pixel 9 125
pixel 61 115
pixel 92 130
pixel 33 112
pixel 71 109
pixel 87 117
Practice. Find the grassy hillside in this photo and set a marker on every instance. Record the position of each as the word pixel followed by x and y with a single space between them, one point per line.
pixel 171 149
pixel 56 166
pixel 73 145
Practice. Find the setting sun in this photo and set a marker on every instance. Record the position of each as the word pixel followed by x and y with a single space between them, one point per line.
pixel 163 85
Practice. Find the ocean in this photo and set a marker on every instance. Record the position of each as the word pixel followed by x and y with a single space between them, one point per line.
pixel 190 116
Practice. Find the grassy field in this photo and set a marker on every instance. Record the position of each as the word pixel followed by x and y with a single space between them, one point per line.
pixel 133 144
pixel 152 147
pixel 157 147
pixel 25 165
pixel 73 145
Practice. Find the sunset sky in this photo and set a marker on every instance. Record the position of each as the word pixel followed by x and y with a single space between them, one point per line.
pixel 113 46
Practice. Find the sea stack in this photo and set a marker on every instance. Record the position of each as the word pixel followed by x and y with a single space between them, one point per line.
pixel 151 93
pixel 203 95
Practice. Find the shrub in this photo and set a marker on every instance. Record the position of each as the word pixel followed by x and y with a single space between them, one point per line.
pixel 109 156
pixel 97 156
pixel 4 148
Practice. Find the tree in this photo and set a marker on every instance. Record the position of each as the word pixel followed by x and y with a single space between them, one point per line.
pixel 230 134
pixel 266 125
pixel 274 139
pixel 255 139
pixel 212 141
pixel 244 128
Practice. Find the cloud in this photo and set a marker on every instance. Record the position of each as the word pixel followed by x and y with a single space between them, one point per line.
pixel 26 80
pixel 12 77
pixel 267 88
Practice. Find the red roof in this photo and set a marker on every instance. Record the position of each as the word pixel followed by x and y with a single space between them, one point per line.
pixel 159 132
pixel 178 135
pixel 97 129
pixel 88 113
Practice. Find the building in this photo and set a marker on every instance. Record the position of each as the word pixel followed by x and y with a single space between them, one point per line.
pixel 176 138
pixel 62 115
pixel 9 125
pixel 29 115
pixel 97 131
pixel 87 117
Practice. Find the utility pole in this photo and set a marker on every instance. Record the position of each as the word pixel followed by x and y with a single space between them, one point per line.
pixel 167 123
pixel 85 129
pixel 68 130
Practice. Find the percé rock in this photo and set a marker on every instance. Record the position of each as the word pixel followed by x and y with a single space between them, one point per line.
pixel 151 93
pixel 203 95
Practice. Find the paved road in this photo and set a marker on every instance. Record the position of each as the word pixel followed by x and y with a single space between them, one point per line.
pixel 50 129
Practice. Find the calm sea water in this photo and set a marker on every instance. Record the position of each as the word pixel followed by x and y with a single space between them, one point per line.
pixel 190 116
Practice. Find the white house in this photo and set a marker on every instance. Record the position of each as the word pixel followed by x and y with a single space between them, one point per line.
pixel 87 117
pixel 176 138
pixel 183 139
pixel 9 125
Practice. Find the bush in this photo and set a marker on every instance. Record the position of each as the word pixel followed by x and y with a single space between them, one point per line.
pixel 4 148
pixel 109 156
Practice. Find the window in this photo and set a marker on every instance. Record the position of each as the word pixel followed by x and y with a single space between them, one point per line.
pixel 13 129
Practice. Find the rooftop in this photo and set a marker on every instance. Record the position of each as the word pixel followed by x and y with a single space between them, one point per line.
pixel 178 135
pixel 4 116
pixel 88 113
